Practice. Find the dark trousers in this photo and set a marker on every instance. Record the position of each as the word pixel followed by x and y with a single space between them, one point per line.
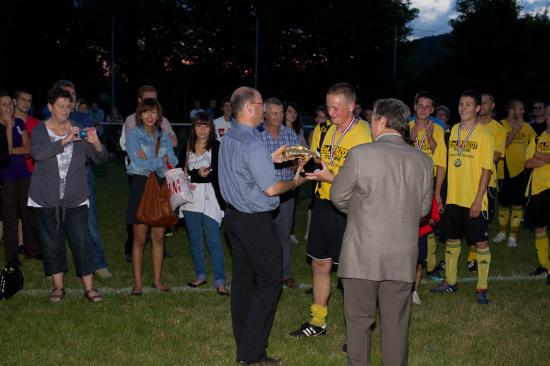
pixel 52 228
pixel 361 299
pixel 14 206
pixel 256 281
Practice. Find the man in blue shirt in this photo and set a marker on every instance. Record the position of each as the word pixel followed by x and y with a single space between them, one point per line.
pixel 274 136
pixel 248 184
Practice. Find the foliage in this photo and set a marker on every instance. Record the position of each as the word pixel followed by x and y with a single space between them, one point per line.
pixel 201 49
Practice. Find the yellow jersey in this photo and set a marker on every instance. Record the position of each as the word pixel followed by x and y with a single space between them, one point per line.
pixel 463 180
pixel 499 134
pixel 540 177
pixel 358 134
pixel 438 135
pixel 515 152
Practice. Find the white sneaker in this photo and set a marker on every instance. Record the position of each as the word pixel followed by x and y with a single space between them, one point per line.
pixel 499 237
pixel 294 239
pixel 104 273
pixel 416 298
pixel 512 242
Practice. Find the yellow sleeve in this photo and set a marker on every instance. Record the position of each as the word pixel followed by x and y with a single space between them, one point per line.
pixel 440 154
pixel 500 140
pixel 488 152
pixel 315 139
pixel 531 149
pixel 530 132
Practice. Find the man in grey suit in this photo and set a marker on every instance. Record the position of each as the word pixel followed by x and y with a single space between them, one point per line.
pixel 385 188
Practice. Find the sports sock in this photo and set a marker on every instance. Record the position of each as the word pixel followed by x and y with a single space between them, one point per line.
pixel 318 315
pixel 432 246
pixel 517 214
pixel 452 253
pixel 503 217
pixel 541 243
pixel 483 262
pixel 472 253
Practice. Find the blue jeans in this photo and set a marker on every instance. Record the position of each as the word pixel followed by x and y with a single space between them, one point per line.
pixel 95 240
pixel 196 222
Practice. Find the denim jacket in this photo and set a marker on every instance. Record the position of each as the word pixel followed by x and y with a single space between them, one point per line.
pixel 138 139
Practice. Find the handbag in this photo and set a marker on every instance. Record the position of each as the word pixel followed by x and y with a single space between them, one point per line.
pixel 154 207
pixel 11 280
pixel 178 185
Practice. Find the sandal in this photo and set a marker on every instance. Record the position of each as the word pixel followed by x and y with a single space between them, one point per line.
pixel 57 294
pixel 93 295
pixel 162 288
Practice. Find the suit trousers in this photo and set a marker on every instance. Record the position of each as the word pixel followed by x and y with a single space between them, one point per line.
pixel 361 299
pixel 256 281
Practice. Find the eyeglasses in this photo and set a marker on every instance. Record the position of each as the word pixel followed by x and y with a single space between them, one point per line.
pixel 256 102
pixel 538 107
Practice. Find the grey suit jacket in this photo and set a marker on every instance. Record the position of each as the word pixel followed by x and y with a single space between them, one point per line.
pixel 385 188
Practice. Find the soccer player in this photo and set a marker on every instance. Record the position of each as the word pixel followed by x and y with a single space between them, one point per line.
pixel 537 212
pixel 469 162
pixel 427 137
pixel 499 134
pixel 327 223
pixel 518 135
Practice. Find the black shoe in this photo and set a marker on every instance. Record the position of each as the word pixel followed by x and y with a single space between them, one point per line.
pixel 309 330
pixel 440 267
pixel 540 271
pixel 268 361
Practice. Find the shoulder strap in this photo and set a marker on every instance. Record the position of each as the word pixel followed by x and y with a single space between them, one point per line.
pixel 157 147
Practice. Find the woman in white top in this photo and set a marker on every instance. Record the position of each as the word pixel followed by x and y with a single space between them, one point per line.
pixel 205 212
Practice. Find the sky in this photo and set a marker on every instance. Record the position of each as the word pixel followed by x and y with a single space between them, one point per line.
pixel 434 15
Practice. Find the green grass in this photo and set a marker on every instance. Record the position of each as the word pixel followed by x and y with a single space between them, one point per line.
pixel 194 327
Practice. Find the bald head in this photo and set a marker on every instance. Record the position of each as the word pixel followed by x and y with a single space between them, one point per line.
pixel 240 97
pixel 247 105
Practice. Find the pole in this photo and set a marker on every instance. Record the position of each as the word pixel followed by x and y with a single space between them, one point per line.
pixel 113 104
pixel 257 53
pixel 394 52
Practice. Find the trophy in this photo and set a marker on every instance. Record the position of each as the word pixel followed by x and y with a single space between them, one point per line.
pixel 297 152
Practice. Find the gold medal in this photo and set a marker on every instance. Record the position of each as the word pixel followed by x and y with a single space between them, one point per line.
pixel 458 163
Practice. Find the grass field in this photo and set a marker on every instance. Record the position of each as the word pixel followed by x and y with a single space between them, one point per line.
pixel 193 327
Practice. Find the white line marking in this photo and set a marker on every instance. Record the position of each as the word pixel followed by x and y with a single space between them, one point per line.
pixel 187 289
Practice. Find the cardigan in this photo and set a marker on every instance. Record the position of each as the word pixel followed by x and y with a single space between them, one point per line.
pixel 45 181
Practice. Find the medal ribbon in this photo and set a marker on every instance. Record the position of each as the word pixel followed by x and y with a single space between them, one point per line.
pixel 332 147
pixel 419 147
pixel 460 146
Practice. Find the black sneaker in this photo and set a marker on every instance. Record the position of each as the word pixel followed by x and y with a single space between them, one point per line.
pixel 309 330
pixel 472 266
pixel 440 267
pixel 540 271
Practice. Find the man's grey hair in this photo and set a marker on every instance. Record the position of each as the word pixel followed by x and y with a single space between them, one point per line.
pixel 395 111
pixel 273 101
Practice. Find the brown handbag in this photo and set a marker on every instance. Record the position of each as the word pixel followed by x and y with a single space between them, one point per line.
pixel 154 207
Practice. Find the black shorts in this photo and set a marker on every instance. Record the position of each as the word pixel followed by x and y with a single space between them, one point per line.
pixel 326 231
pixel 456 223
pixel 512 191
pixel 422 250
pixel 537 211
